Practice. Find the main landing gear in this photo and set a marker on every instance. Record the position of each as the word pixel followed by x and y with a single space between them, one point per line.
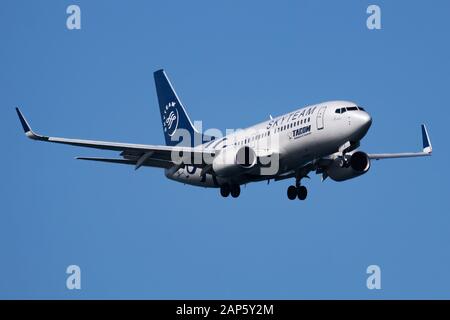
pixel 297 191
pixel 227 189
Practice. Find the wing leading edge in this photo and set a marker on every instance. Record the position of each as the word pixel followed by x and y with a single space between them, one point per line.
pixel 426 151
pixel 135 154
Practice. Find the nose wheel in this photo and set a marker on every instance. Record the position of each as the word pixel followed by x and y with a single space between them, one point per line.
pixel 226 190
pixel 299 192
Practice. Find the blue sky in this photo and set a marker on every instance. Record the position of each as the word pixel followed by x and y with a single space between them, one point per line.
pixel 138 235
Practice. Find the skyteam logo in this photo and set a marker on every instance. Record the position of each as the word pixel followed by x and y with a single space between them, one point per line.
pixel 170 118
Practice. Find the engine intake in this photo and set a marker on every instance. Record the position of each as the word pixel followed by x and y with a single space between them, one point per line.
pixel 359 163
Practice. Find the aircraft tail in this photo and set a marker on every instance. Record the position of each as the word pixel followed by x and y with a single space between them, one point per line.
pixel 173 114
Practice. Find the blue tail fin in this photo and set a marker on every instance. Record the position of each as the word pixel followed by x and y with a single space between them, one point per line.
pixel 173 114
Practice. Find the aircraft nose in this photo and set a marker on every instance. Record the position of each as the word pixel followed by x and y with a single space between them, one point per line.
pixel 363 121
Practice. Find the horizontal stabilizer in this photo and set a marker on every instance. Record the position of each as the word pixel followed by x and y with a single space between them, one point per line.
pixel 122 161
pixel 147 163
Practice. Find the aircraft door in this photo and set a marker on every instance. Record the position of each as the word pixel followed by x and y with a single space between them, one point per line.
pixel 320 118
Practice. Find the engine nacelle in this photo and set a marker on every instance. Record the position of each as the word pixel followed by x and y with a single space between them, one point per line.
pixel 358 164
pixel 231 161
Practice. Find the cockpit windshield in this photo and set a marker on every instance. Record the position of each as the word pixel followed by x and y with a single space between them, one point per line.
pixel 343 110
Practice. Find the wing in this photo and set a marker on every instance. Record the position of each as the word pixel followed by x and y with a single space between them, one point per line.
pixel 320 165
pixel 134 154
pixel 426 151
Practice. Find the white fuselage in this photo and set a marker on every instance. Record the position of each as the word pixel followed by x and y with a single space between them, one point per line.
pixel 297 138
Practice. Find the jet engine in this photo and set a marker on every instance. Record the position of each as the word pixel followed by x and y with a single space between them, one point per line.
pixel 231 161
pixel 353 166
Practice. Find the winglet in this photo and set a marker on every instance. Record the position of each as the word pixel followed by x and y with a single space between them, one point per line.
pixel 27 129
pixel 427 148
pixel 25 125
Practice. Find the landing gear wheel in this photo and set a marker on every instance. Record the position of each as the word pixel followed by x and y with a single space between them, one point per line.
pixel 225 190
pixel 302 192
pixel 292 192
pixel 235 190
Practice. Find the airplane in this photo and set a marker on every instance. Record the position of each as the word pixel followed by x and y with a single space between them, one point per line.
pixel 323 138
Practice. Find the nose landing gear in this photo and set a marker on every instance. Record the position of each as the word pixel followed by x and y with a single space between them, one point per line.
pixel 235 190
pixel 226 190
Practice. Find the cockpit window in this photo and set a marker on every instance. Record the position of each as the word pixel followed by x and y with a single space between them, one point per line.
pixel 343 110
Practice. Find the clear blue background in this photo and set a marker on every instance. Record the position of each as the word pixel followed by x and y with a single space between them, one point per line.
pixel 138 235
